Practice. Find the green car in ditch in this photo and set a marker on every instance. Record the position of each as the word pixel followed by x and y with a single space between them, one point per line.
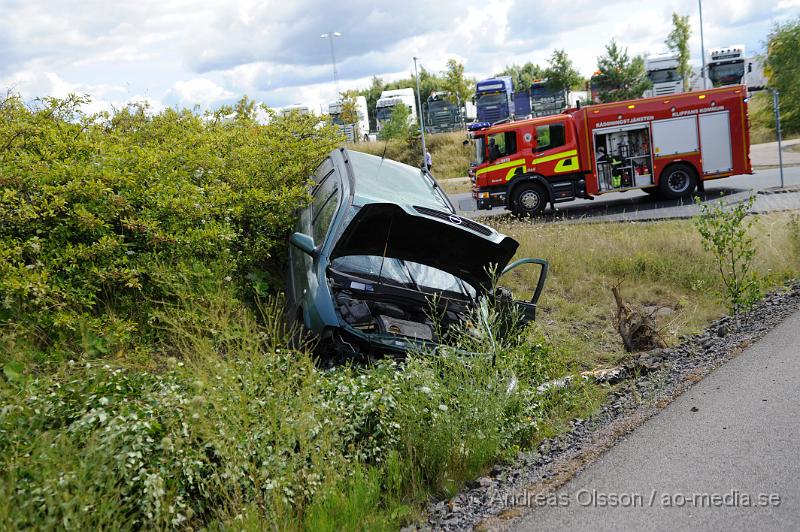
pixel 379 248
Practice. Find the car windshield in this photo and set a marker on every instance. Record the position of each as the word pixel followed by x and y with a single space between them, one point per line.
pixel 663 76
pixel 498 98
pixel 402 273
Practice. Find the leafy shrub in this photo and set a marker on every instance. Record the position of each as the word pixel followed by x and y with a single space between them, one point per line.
pixel 724 233
pixel 97 212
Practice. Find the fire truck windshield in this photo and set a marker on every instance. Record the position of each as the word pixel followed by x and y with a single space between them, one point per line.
pixel 663 76
pixel 496 98
pixel 480 150
pixel 727 74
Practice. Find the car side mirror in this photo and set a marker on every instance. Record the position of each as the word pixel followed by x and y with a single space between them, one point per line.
pixel 304 243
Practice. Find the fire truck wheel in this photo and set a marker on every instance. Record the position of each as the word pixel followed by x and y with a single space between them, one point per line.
pixel 529 199
pixel 677 181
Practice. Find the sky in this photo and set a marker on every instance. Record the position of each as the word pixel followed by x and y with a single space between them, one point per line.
pixel 207 53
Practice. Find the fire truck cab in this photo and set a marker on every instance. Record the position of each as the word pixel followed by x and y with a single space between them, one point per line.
pixel 666 145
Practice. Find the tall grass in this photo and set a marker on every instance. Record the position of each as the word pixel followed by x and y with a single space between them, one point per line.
pixel 230 427
pixel 660 264
pixel 450 157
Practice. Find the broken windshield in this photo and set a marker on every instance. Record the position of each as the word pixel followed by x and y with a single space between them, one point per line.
pixel 402 273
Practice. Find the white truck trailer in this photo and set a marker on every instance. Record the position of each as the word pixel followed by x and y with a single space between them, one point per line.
pixel 354 132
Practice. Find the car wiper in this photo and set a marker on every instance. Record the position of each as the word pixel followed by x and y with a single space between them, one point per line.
pixel 410 276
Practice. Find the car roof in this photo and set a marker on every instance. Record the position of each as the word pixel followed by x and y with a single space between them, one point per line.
pixel 387 181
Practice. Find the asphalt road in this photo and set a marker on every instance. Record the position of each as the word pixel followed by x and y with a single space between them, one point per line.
pixel 637 205
pixel 734 435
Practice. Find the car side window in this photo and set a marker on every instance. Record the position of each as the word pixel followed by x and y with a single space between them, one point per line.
pixel 550 136
pixel 323 207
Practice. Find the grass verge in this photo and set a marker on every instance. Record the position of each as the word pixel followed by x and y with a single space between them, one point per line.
pixel 223 426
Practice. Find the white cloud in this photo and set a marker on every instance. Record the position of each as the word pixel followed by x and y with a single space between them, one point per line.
pixel 206 52
pixel 201 91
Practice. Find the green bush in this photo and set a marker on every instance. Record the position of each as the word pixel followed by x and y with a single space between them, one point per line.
pixel 98 212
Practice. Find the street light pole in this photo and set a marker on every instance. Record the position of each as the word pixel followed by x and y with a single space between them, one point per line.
pixel 776 106
pixel 330 35
pixel 702 47
pixel 421 119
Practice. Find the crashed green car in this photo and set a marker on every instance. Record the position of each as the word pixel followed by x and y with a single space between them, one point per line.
pixel 379 248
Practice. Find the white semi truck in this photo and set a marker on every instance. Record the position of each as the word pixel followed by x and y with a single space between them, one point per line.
pixel 726 66
pixel 354 132
pixel 296 107
pixel 662 69
pixel 390 98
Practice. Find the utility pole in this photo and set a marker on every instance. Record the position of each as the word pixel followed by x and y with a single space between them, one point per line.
pixel 777 109
pixel 702 47
pixel 330 35
pixel 421 119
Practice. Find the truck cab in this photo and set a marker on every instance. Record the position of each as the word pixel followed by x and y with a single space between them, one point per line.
pixel 387 102
pixel 527 164
pixel 545 100
pixel 727 66
pixel 494 99
pixel 442 114
pixel 662 70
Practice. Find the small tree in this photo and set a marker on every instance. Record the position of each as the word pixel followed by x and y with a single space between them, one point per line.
pixel 561 74
pixel 783 74
pixel 522 76
pixel 619 77
pixel 397 127
pixel 724 233
pixel 678 42
pixel 348 112
pixel 455 84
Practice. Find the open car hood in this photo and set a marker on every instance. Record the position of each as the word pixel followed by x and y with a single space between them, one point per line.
pixel 385 229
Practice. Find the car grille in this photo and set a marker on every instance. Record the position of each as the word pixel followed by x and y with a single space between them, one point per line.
pixel 448 217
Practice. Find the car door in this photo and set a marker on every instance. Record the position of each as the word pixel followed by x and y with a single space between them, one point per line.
pixel 527 307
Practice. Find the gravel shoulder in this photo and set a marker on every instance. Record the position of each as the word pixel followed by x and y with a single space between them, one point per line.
pixel 497 500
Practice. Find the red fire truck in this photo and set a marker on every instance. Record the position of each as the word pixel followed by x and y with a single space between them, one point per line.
pixel 666 145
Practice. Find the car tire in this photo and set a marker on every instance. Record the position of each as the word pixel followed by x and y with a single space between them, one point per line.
pixel 677 181
pixel 529 199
